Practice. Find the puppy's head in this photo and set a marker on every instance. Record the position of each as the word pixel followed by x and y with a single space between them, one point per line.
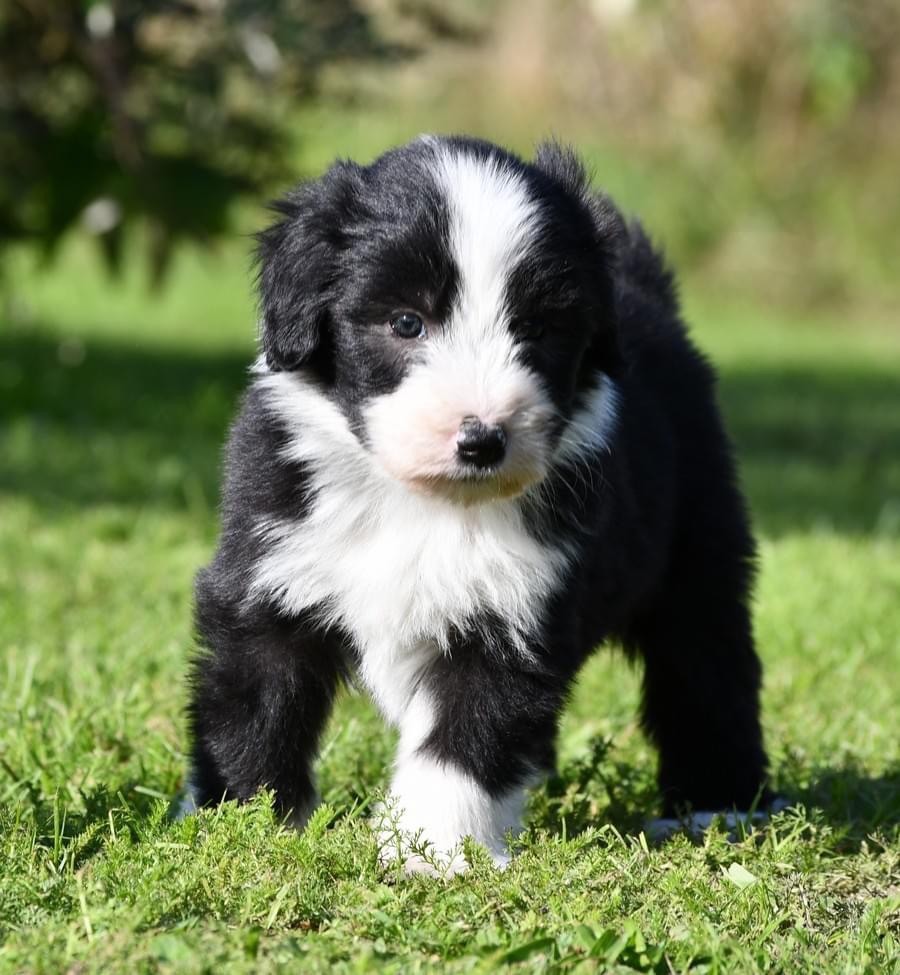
pixel 453 300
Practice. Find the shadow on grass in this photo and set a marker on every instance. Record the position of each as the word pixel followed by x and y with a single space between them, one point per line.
pixel 597 789
pixel 79 830
pixel 818 446
pixel 114 423
pixel 141 426
pixel 854 803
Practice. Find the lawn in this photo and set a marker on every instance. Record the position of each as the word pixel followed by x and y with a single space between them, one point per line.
pixel 113 406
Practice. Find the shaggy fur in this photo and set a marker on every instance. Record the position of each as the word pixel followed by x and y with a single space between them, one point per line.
pixel 478 445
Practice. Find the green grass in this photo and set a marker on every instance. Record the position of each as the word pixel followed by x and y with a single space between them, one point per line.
pixel 113 405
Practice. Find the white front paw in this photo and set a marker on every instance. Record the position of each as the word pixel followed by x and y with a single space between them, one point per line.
pixel 432 808
pixel 415 857
pixel 401 841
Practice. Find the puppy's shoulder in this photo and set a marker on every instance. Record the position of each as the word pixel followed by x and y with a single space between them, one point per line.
pixel 655 341
pixel 262 480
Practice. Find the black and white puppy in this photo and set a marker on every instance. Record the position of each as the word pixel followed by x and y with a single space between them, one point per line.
pixel 478 445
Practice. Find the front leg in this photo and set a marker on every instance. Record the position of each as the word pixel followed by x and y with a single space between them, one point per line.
pixel 476 734
pixel 262 689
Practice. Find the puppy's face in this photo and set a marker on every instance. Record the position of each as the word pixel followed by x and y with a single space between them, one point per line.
pixel 453 300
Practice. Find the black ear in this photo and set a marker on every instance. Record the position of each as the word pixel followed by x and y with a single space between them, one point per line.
pixel 299 264
pixel 608 234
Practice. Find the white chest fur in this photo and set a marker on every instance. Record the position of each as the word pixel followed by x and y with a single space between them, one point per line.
pixel 396 570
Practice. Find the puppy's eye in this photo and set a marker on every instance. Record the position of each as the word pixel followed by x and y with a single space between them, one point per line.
pixel 528 329
pixel 408 325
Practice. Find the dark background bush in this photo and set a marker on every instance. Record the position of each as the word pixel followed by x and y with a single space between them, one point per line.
pixel 165 111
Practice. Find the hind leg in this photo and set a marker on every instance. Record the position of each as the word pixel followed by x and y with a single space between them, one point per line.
pixel 702 680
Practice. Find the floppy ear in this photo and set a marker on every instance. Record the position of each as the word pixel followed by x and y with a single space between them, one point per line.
pixel 299 265
pixel 562 165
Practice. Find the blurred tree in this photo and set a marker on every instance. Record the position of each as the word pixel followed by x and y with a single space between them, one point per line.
pixel 160 111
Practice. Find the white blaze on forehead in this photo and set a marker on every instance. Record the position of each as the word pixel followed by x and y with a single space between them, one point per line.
pixel 493 224
pixel 470 365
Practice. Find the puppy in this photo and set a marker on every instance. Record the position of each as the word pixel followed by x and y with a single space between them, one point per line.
pixel 478 444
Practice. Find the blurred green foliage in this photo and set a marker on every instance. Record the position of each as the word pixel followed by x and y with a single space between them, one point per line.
pixel 163 111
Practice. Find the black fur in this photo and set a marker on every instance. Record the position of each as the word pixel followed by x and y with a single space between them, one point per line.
pixel 665 554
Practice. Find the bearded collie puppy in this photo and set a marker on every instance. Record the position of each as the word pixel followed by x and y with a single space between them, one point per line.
pixel 477 444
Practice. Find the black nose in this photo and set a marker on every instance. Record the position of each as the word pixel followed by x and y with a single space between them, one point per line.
pixel 479 444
